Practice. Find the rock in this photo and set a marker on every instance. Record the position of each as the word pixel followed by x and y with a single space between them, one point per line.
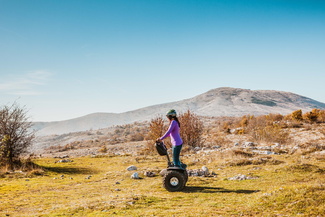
pixel 216 147
pixel 235 131
pixel 64 161
pixel 264 152
pixel 88 177
pixel 205 171
pixel 267 194
pixel 149 174
pixel 276 145
pixel 242 177
pixel 117 183
pixel 248 144
pixel 163 172
pixel 236 144
pixel 131 168
pixel 135 176
pixel 199 172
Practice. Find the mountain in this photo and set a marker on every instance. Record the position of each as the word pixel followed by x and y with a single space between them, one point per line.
pixel 223 101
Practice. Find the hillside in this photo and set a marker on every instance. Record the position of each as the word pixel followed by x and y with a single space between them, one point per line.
pixel 217 102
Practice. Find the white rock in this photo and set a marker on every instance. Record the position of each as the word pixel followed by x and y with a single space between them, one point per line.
pixel 135 176
pixel 131 168
pixel 205 170
pixel 149 174
pixel 163 172
pixel 248 144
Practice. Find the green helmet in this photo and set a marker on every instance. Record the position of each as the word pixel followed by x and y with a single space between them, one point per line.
pixel 171 113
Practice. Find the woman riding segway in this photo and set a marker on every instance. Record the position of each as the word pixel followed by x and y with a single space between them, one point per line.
pixel 174 133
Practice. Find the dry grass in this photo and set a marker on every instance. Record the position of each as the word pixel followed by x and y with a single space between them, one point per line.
pixel 102 187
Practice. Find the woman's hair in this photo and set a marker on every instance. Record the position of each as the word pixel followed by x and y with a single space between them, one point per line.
pixel 174 118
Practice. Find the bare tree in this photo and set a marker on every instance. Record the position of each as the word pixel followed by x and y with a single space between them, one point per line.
pixel 15 134
pixel 156 129
pixel 191 129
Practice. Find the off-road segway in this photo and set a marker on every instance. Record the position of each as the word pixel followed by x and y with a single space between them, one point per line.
pixel 176 177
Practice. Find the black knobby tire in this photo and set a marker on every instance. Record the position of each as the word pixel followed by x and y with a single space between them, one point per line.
pixel 174 181
pixel 185 174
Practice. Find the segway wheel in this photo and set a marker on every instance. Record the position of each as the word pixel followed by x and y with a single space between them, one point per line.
pixel 174 181
pixel 185 174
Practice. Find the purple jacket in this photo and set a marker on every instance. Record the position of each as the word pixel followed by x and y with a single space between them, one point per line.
pixel 173 132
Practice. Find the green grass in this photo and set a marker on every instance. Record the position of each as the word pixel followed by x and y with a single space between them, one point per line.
pixel 286 189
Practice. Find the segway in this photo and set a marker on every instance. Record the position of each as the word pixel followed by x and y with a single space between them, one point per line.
pixel 176 177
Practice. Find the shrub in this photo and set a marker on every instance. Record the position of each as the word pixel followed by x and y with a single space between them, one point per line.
pixel 312 116
pixel 297 115
pixel 191 129
pixel 156 130
pixel 103 149
pixel 265 129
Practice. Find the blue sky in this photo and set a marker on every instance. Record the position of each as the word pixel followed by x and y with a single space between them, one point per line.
pixel 67 58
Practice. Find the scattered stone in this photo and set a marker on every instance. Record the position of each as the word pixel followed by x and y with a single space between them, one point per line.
pixel 276 145
pixel 117 183
pixel 131 168
pixel 62 176
pixel 64 161
pixel 149 174
pixel 248 144
pixel 205 170
pixel 264 152
pixel 241 177
pixel 236 144
pixel 216 147
pixel 135 176
pixel 235 131
pixel 88 177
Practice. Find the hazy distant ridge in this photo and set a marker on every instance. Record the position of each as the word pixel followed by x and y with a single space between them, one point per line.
pixel 217 102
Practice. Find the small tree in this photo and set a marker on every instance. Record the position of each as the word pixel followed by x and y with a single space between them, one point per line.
pixel 191 129
pixel 297 115
pixel 312 116
pixel 156 130
pixel 15 134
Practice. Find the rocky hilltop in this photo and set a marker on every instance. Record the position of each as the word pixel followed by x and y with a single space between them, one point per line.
pixel 223 101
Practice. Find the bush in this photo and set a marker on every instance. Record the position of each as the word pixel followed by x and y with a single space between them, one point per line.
pixel 191 129
pixel 297 115
pixel 156 130
pixel 265 129
pixel 312 116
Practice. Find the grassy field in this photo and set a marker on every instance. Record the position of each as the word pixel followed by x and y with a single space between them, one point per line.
pixel 101 186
